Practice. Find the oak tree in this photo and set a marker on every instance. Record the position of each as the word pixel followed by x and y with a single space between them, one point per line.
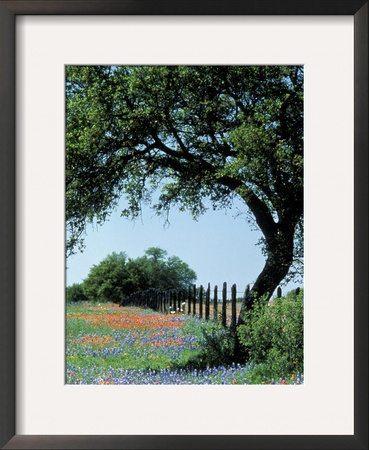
pixel 198 135
pixel 118 276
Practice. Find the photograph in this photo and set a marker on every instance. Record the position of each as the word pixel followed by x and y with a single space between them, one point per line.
pixel 184 227
pixel 212 151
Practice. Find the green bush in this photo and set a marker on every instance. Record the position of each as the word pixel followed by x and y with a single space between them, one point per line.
pixel 217 347
pixel 273 335
pixel 74 293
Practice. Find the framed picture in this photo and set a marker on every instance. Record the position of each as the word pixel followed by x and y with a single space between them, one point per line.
pixel 38 410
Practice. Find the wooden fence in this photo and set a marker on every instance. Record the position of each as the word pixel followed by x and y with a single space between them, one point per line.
pixel 195 301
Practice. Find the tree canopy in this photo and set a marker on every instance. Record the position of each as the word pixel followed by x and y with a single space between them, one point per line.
pixel 118 276
pixel 190 133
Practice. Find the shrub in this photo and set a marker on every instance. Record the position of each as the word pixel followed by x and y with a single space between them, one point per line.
pixel 74 293
pixel 273 335
pixel 217 347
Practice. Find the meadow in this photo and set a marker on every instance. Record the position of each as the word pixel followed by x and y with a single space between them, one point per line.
pixel 108 344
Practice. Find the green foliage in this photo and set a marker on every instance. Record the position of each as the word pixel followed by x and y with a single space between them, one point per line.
pixel 273 335
pixel 118 276
pixel 74 293
pixel 180 135
pixel 217 347
pixel 106 281
pixel 163 272
pixel 191 133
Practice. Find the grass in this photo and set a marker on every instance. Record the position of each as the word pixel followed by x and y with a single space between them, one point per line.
pixel 106 344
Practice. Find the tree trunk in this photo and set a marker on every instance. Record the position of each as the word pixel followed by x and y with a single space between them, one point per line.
pixel 279 259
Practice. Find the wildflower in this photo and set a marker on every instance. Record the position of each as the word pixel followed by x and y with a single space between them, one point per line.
pixel 234 381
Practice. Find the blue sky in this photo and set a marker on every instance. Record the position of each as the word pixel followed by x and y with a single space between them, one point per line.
pixel 219 247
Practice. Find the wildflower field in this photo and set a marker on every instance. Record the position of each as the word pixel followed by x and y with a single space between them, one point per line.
pixel 108 344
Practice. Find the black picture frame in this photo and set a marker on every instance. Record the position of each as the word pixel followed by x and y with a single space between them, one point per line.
pixel 8 11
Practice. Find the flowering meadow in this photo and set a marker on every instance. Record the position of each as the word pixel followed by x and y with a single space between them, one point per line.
pixel 108 344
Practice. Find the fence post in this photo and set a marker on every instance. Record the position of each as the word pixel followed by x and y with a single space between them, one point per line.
pixel 207 303
pixel 170 301
pixel 175 307
pixel 215 305
pixel 245 295
pixel 200 300
pixel 234 301
pixel 247 290
pixel 194 299
pixel 181 307
pixel 189 300
pixel 279 292
pixel 224 306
